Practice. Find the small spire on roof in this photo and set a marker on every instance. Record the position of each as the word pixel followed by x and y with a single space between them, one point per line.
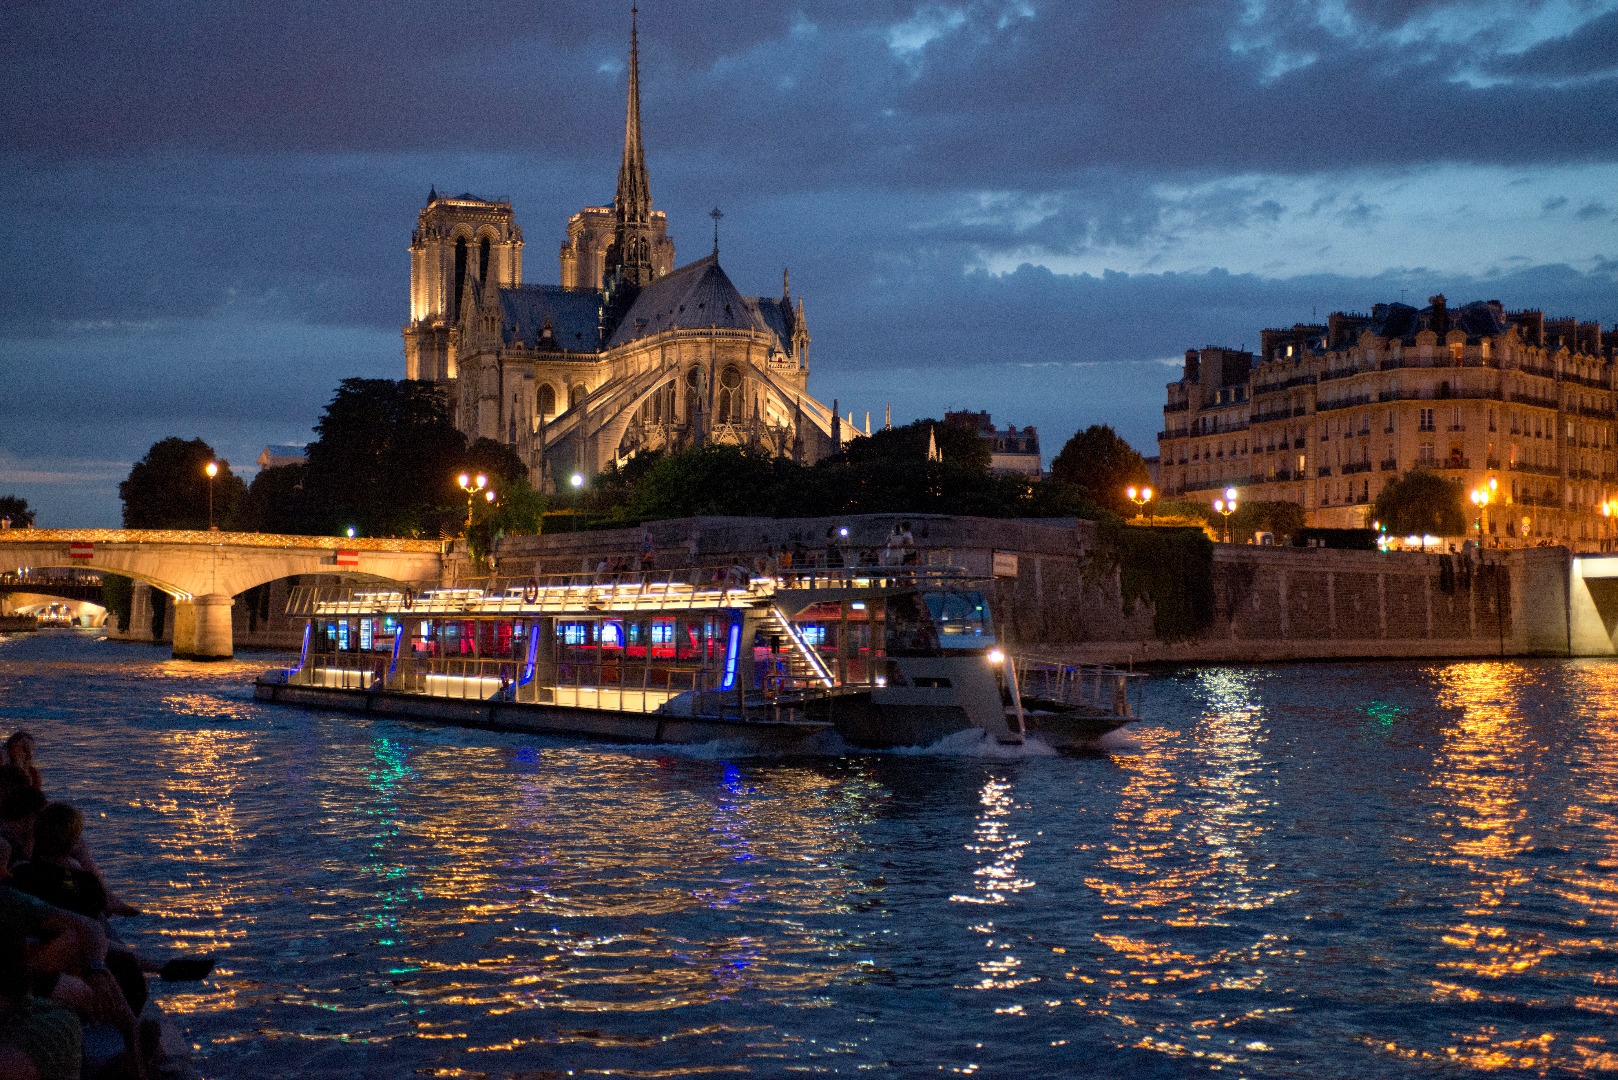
pixel 716 214
pixel 786 287
pixel 432 194
pixel 932 446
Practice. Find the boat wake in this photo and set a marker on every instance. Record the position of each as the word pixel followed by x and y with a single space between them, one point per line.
pixel 977 743
pixel 1119 741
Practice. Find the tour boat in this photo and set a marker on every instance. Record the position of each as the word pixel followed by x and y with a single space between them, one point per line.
pixel 880 656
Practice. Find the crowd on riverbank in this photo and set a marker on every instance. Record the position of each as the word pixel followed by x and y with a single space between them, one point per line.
pixel 73 998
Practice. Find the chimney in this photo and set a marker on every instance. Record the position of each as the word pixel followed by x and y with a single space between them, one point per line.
pixel 1440 321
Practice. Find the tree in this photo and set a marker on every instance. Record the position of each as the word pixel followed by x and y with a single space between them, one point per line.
pixel 1420 503
pixel 274 503
pixel 1098 460
pixel 16 508
pixel 169 487
pixel 384 462
pixel 1278 517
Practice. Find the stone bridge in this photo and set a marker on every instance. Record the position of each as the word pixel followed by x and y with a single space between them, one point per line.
pixel 204 570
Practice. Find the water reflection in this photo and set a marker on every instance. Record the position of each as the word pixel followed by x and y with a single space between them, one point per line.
pixel 1333 871
pixel 1188 852
pixel 1482 774
pixel 200 848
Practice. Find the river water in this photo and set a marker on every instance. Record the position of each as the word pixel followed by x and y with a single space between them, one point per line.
pixel 1341 870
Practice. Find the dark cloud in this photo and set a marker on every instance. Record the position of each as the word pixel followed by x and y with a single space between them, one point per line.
pixel 928 95
pixel 209 205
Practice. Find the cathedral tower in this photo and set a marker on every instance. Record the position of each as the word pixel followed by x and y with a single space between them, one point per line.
pixel 456 240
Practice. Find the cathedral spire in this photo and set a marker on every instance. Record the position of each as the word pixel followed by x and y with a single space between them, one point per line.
pixel 631 257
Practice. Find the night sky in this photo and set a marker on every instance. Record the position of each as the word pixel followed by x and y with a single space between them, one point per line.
pixel 1028 207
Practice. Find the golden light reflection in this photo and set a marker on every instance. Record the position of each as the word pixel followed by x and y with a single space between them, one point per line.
pixel 203 846
pixel 1482 773
pixel 1188 850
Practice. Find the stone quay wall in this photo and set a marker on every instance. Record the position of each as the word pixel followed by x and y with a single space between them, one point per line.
pixel 1064 603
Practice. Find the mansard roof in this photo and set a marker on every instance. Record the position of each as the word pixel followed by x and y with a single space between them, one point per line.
pixel 696 296
pixel 574 318
pixel 1477 320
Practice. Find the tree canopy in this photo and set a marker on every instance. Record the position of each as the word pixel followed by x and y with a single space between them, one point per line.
pixel 1278 517
pixel 1421 503
pixel 886 472
pixel 169 487
pixel 385 463
pixel 15 507
pixel 1098 460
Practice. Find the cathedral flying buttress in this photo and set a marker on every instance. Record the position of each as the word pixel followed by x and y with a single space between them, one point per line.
pixel 629 354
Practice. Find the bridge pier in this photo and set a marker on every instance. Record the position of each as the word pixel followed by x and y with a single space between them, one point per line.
pixel 202 628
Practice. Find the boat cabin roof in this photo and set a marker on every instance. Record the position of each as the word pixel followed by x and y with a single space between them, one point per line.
pixel 649 593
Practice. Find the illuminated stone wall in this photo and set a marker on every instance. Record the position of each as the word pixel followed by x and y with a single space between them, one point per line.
pixel 1269 603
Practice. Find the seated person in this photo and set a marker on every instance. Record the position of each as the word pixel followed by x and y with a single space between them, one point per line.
pixel 52 874
pixel 19 809
pixel 39 1039
pixel 73 950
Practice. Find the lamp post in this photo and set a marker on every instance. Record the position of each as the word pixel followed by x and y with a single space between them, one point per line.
pixel 1482 496
pixel 212 469
pixel 472 485
pixel 1140 497
pixel 1227 507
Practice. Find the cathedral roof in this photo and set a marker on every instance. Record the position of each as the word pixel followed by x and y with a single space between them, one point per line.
pixel 694 297
pixel 776 314
pixel 574 318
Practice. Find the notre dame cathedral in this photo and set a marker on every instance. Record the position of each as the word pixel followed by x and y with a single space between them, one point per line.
pixel 628 353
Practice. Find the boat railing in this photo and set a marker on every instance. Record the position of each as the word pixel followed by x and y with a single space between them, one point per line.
pixel 1101 687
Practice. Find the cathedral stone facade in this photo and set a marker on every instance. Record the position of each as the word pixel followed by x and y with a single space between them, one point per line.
pixel 628 353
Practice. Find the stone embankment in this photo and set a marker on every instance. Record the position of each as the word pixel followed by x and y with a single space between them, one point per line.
pixel 1064 601
pixel 1059 596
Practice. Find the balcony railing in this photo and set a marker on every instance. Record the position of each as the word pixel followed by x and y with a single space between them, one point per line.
pixel 1288 384
pixel 1356 467
pixel 1390 465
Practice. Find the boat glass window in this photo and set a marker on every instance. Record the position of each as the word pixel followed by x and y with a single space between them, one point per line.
pixel 961 619
pixel 909 627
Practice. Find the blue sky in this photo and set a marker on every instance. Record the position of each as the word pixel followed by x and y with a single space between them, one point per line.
pixel 1030 207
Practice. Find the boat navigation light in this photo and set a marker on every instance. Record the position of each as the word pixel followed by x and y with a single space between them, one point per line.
pixel 996 656
pixel 843 532
pixel 351 532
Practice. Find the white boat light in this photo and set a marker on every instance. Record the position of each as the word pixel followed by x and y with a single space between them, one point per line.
pixel 996 656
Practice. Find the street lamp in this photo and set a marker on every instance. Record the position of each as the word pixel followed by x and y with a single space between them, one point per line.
pixel 1227 507
pixel 212 469
pixel 577 480
pixel 1482 496
pixel 1140 497
pixel 472 485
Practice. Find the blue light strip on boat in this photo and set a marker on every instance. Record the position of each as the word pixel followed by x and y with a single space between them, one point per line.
pixel 732 647
pixel 308 628
pixel 533 651
pixel 398 637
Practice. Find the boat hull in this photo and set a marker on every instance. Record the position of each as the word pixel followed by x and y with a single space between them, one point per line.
pixel 603 724
pixel 1066 727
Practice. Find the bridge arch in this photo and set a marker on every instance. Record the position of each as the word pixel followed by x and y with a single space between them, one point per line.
pixel 205 571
